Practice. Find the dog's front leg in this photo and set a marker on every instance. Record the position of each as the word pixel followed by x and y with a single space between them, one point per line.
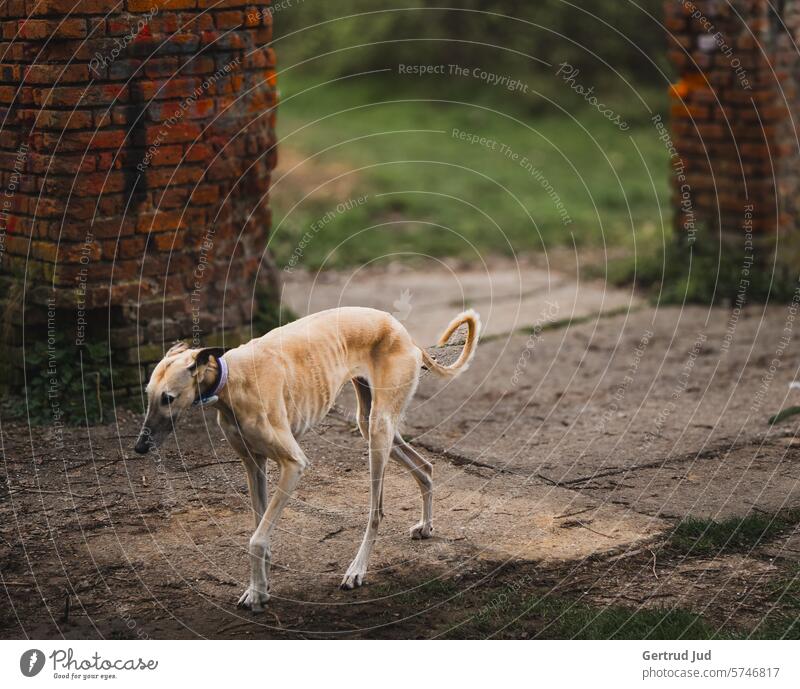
pixel 292 463
pixel 256 468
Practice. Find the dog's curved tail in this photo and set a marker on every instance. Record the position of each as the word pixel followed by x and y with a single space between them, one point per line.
pixel 473 321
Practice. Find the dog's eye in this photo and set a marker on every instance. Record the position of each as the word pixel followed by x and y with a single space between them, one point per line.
pixel 166 398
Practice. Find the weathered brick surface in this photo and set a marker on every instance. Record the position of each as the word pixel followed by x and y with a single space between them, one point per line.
pixel 732 113
pixel 126 123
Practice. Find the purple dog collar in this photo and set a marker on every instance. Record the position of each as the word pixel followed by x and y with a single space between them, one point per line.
pixel 213 395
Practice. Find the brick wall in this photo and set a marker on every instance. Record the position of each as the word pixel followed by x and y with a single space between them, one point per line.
pixel 136 146
pixel 732 119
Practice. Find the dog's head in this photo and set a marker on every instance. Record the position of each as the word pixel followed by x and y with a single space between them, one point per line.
pixel 173 388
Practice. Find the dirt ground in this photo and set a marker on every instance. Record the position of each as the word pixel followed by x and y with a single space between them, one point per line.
pixel 564 458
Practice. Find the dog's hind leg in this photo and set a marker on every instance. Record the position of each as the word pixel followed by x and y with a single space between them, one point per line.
pixel 381 432
pixel 292 462
pixel 422 471
pixel 364 400
pixel 419 467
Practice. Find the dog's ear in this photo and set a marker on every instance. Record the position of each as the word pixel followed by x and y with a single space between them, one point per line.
pixel 202 357
pixel 177 348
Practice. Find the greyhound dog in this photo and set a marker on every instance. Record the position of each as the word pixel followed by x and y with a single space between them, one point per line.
pixel 271 390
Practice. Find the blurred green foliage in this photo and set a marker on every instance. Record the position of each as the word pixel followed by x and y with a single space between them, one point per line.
pixel 368 130
pixel 607 39
pixel 428 192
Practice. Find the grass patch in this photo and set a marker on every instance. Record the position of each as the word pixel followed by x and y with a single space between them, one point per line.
pixel 783 414
pixel 570 620
pixel 520 607
pixel 783 620
pixel 737 534
pixel 707 271
pixel 510 610
pixel 550 180
pixel 556 617
pixel 420 597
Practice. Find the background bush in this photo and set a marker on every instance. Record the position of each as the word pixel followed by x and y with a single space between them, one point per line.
pixel 627 34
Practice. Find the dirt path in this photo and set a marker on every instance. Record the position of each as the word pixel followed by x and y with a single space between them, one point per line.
pixel 563 460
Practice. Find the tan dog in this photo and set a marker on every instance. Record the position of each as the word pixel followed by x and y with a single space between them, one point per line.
pixel 271 390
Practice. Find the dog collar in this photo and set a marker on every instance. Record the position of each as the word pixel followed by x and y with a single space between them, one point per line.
pixel 212 396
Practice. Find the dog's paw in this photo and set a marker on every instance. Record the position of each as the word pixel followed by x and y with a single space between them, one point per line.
pixel 353 579
pixel 421 531
pixel 253 599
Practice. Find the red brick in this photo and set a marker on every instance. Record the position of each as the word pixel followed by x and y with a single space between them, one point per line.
pixel 172 197
pixel 54 74
pixel 175 134
pixel 80 141
pixel 166 155
pixel 168 241
pixel 44 7
pixel 174 88
pixel 185 174
pixel 224 4
pixel 229 20
pixel 198 152
pixel 205 195
pixel 37 29
pixel 69 96
pixel 161 5
pixel 131 247
pixel 159 222
pixel 202 64
pixel 63 119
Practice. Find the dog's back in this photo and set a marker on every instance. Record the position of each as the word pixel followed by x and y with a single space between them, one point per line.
pixel 307 362
pixel 345 334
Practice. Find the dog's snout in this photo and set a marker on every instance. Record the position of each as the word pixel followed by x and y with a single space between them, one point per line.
pixel 144 442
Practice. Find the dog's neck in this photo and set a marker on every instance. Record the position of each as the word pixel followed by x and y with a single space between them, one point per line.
pixel 210 376
pixel 212 384
pixel 210 380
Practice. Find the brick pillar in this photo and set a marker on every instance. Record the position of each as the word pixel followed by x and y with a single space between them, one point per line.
pixel 135 157
pixel 732 111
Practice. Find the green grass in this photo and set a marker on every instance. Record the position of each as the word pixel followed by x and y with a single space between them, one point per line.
pixel 559 617
pixel 738 534
pixel 430 193
pixel 506 614
pixel 515 609
pixel 783 414
pixel 421 596
pixel 712 270
pixel 783 620
pixel 569 620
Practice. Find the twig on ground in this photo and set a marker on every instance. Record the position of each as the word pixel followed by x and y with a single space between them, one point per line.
pixel 578 522
pixel 214 464
pixel 331 534
pixel 655 574
pixel 572 514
